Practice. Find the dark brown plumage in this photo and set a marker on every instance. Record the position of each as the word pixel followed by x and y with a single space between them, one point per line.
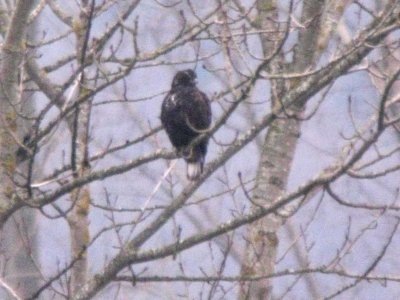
pixel 185 114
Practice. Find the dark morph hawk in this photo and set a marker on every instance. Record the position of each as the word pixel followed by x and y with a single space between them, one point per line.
pixel 185 114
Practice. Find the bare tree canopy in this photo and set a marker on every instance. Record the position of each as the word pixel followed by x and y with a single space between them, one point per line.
pixel 299 195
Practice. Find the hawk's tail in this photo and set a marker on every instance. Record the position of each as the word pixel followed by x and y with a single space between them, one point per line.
pixel 194 169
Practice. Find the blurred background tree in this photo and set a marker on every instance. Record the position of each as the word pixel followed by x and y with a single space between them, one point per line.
pixel 299 197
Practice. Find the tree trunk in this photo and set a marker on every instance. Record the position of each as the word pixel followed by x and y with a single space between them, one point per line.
pixel 18 237
pixel 278 148
pixel 78 220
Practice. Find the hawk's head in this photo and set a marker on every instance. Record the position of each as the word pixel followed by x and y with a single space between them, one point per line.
pixel 184 78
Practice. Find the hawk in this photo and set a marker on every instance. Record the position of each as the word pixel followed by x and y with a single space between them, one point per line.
pixel 186 114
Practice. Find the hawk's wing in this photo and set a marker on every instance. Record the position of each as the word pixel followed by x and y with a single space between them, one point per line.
pixel 197 110
pixel 185 113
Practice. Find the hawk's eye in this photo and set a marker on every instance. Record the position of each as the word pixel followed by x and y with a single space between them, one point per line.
pixel 191 74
